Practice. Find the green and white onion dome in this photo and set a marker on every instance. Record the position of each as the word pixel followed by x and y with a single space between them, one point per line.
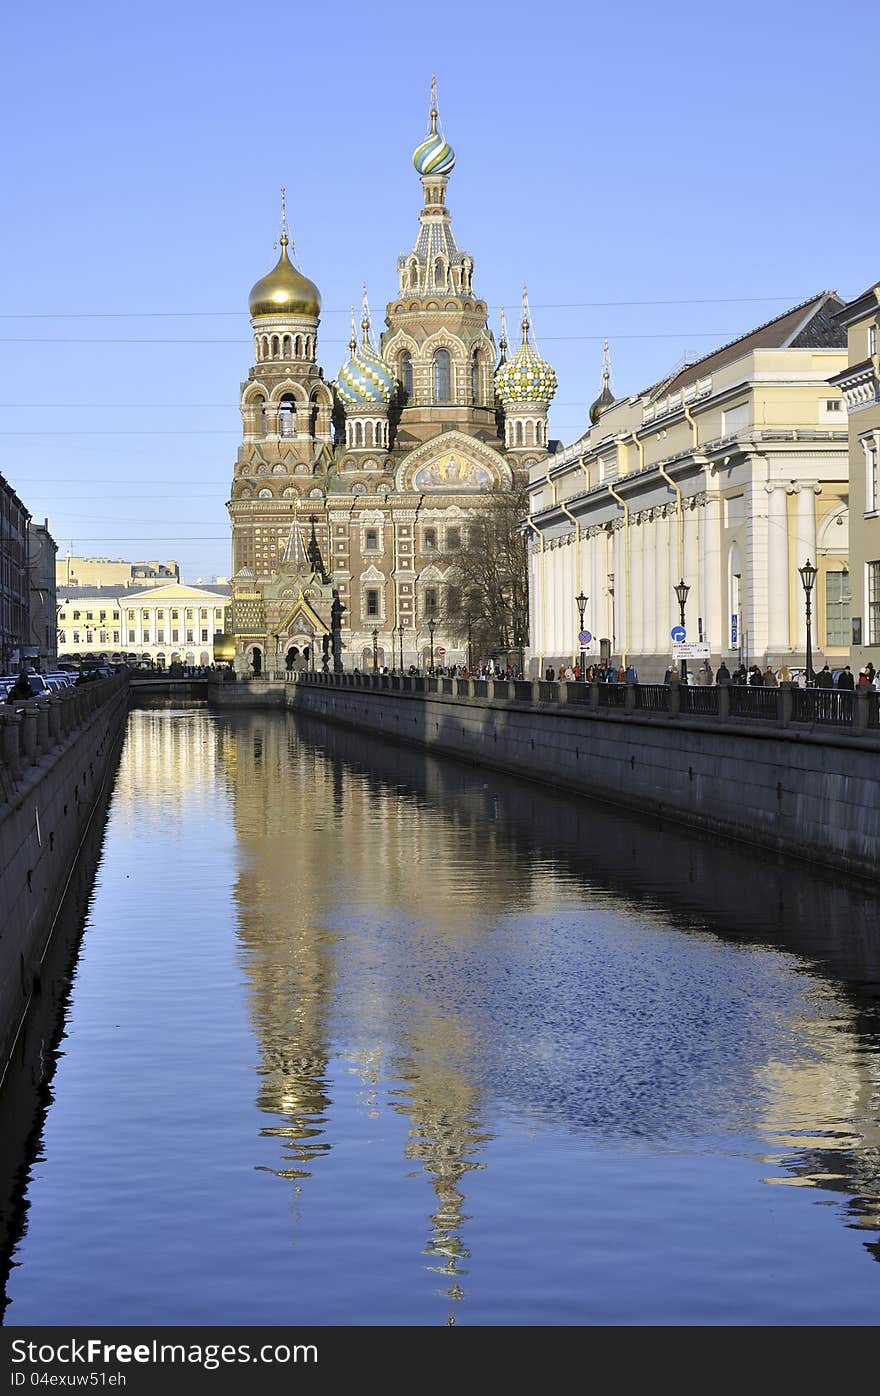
pixel 526 377
pixel 434 156
pixel 365 378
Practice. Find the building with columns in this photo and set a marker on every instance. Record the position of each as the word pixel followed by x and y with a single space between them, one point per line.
pixel 366 486
pixel 172 624
pixel 860 384
pixel 729 474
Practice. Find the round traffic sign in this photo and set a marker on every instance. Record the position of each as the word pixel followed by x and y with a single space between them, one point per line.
pixel 679 634
pixel 584 637
pixel 440 650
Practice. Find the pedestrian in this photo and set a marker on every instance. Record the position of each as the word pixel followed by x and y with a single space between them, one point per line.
pixel 723 674
pixel 770 678
pixel 785 674
pixel 825 679
pixel 611 674
pixel 756 678
pixel 550 673
pixel 846 679
pixel 20 689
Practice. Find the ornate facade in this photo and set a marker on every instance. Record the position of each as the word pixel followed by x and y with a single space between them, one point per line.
pixel 366 486
pixel 728 475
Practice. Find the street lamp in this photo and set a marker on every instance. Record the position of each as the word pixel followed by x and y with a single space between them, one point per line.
pixel 470 642
pixel 808 578
pixel 431 624
pixel 681 591
pixel 375 648
pixel 401 647
pixel 581 602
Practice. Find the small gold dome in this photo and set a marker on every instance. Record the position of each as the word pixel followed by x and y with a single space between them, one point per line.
pixel 285 291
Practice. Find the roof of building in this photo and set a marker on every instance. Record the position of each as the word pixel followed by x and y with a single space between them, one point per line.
pixel 80 593
pixel 810 325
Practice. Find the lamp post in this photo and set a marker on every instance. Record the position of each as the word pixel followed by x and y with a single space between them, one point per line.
pixel 431 624
pixel 681 592
pixel 375 649
pixel 470 641
pixel 581 602
pixel 808 578
pixel 400 632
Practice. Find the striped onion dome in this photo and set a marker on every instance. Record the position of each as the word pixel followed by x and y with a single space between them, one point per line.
pixel 364 377
pixel 435 155
pixel 526 377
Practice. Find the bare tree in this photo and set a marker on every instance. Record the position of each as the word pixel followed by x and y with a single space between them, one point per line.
pixel 487 581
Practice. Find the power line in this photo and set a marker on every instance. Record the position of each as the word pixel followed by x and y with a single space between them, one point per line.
pixel 213 314
pixel 545 338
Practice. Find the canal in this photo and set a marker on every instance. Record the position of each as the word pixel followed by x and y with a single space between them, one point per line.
pixel 357 1035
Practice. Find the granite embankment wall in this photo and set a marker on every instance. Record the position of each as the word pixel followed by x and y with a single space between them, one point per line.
pixel 57 759
pixel 807 788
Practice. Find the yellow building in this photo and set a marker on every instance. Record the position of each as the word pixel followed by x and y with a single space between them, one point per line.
pixel 71 571
pixel 728 474
pixel 174 623
pixel 860 384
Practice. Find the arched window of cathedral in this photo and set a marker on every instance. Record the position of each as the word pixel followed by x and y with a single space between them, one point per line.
pixel 359 434
pixel 414 275
pixel 247 492
pixel 405 374
pixel 475 376
pixel 285 347
pixel 287 415
pixel 264 494
pixel 439 275
pixel 274 346
pixel 289 493
pixel 530 433
pixel 520 441
pixel 442 376
pixel 358 488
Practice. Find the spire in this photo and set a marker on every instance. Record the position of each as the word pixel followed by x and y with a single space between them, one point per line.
pixel 285 236
pixel 295 552
pixel 366 321
pixel 434 112
pixel 502 343
pixel 526 316
pixel 606 397
pixel 352 343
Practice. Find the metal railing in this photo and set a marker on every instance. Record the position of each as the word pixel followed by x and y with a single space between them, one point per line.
pixel 857 712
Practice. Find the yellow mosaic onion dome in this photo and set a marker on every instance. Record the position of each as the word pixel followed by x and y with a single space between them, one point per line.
pixel 435 155
pixel 606 397
pixel 364 378
pixel 526 377
pixel 285 291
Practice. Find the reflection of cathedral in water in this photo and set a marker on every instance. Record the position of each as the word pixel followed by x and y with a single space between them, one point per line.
pixel 309 832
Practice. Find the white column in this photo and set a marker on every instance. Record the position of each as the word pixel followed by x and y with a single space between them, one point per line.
pixel 665 527
pixel 597 609
pixel 778 581
pixel 805 547
pixel 649 585
pixel 637 544
pixel 691 570
pixel 712 585
pixel 621 582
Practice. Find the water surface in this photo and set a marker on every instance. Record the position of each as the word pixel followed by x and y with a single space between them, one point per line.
pixel 361 1036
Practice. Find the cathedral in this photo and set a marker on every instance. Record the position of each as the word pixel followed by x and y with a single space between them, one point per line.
pixel 351 498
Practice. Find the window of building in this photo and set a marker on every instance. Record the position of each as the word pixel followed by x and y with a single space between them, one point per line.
pixel 131 637
pixel 872 595
pixel 175 615
pixel 371 540
pixel 453 538
pixel 189 637
pixel 189 614
pixel 429 540
pixel 204 634
pixel 453 601
pixel 442 376
pixel 872 462
pixel 160 637
pixel 90 615
pixel 872 340
pixel 837 599
pixel 431 601
pixel 175 636
pixel 61 637
pixel 372 602
pixel 160 615
pixel 475 377
pixel 405 373
pixel 76 615
pixel 132 615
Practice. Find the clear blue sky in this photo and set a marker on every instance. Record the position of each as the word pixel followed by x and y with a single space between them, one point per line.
pixel 620 153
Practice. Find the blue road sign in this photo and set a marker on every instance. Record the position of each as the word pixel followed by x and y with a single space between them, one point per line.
pixel 679 634
pixel 585 637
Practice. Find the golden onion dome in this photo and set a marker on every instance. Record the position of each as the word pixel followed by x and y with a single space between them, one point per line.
pixel 285 291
